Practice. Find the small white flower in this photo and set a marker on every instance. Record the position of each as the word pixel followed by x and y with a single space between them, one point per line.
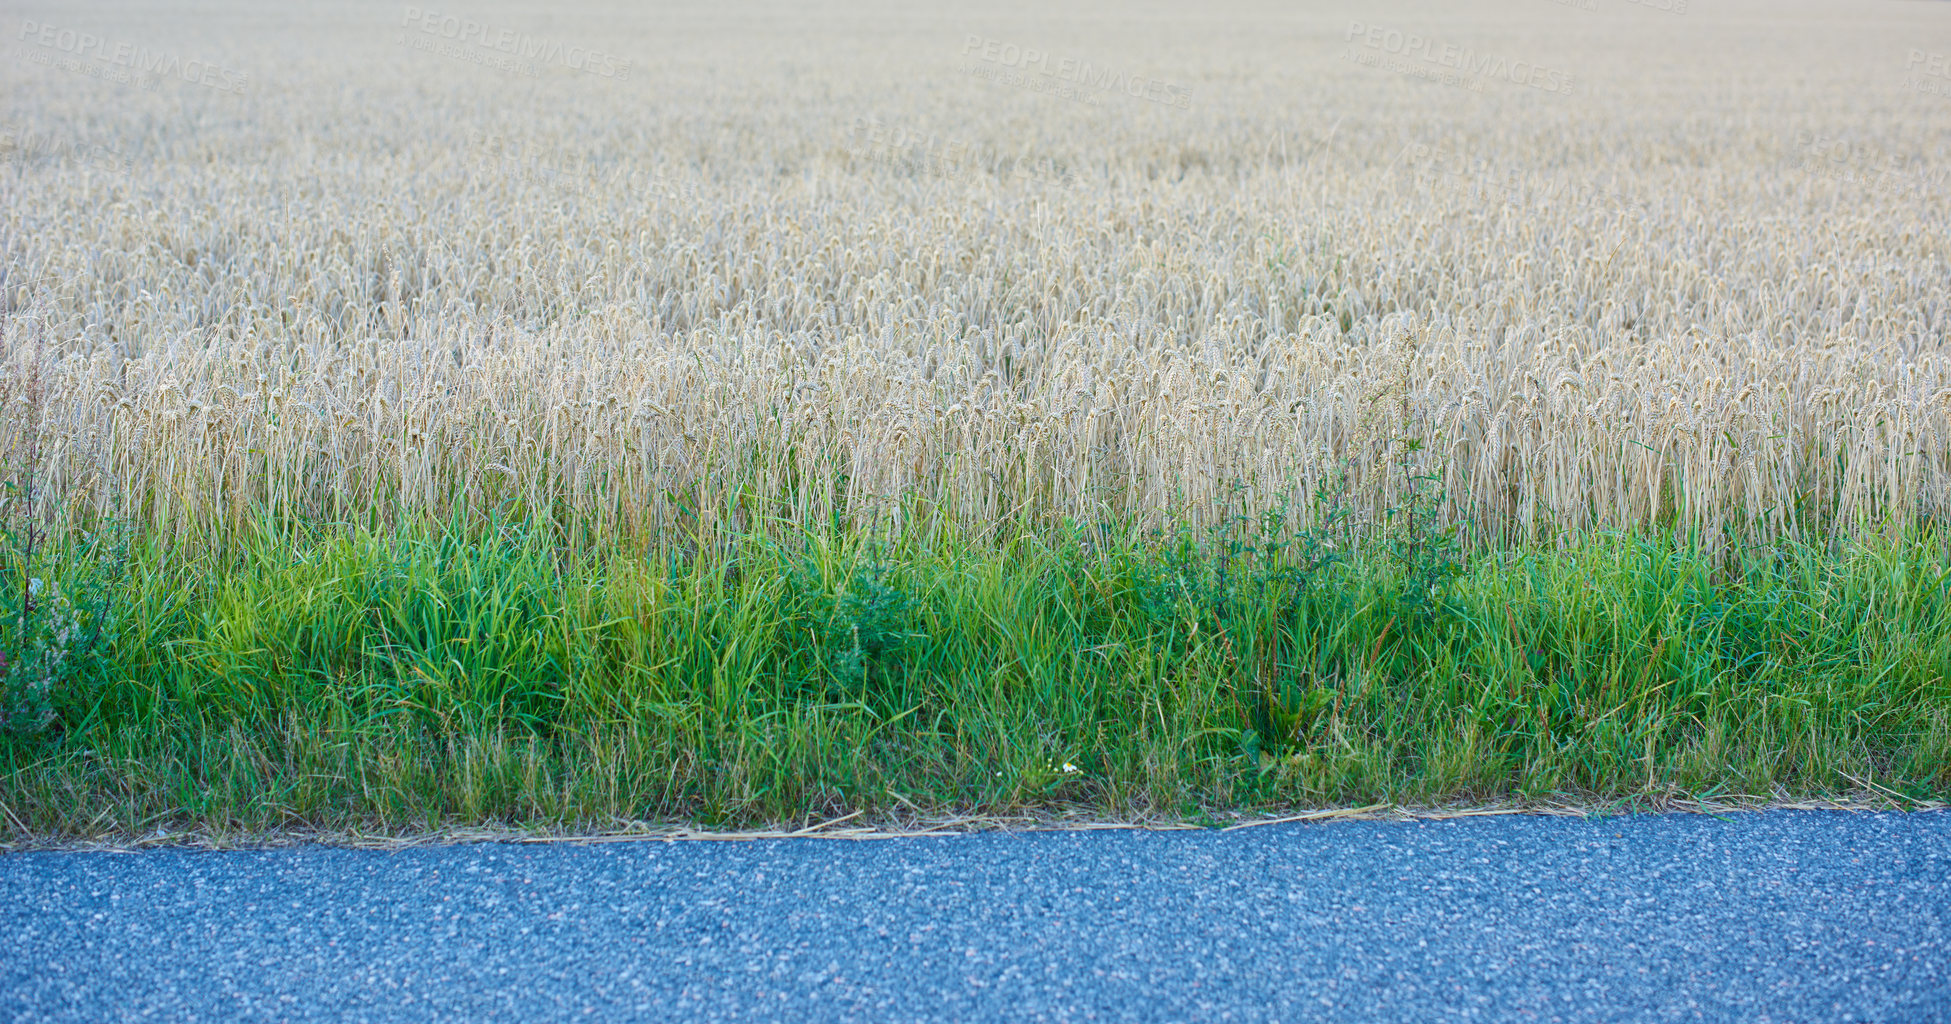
pixel 1069 769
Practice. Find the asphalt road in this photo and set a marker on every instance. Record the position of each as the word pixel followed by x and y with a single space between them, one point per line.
pixel 1798 916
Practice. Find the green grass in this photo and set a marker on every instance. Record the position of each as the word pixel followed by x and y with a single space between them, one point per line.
pixel 342 679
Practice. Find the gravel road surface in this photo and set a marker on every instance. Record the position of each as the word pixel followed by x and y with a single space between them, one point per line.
pixel 1800 916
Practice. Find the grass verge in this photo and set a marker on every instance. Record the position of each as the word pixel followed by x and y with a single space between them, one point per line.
pixel 423 680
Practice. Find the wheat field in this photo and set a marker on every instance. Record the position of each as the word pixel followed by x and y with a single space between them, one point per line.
pixel 583 417
pixel 1611 264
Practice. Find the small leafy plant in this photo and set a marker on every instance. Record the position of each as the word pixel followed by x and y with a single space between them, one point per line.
pixel 54 598
pixel 51 630
pixel 864 625
pixel 1427 555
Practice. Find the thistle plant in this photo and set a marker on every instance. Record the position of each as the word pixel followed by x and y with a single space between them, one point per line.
pixel 49 625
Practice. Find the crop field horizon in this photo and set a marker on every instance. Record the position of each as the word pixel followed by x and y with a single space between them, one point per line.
pixel 901 408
